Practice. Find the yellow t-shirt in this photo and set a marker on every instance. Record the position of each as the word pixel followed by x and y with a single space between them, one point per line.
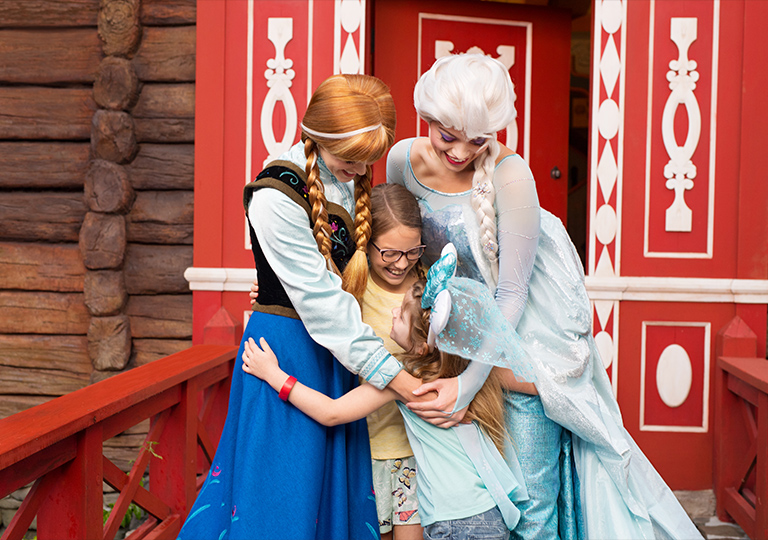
pixel 385 426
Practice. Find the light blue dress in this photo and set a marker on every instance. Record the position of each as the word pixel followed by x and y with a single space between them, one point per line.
pixel 462 473
pixel 617 493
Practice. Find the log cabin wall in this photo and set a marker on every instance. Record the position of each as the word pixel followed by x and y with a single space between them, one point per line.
pixel 96 190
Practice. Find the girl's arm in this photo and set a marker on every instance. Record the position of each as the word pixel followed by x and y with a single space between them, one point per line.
pixel 354 405
pixel 285 238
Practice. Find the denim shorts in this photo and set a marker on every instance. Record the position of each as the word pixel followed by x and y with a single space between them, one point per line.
pixel 486 526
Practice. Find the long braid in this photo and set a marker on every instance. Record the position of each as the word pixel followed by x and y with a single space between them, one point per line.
pixel 355 277
pixel 482 200
pixel 320 227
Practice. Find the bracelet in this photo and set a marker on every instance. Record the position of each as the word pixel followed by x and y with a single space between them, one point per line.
pixel 287 387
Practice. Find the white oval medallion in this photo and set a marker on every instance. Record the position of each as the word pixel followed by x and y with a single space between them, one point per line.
pixel 604 343
pixel 674 375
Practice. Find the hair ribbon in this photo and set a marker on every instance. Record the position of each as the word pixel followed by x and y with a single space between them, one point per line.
pixel 340 135
pixel 436 295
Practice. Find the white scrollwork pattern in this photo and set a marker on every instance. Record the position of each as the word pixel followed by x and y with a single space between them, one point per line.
pixel 680 170
pixel 279 76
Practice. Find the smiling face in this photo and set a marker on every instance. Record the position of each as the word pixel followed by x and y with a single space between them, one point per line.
pixel 393 276
pixel 453 149
pixel 344 171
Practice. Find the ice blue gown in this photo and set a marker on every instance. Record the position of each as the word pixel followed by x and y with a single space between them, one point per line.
pixel 586 477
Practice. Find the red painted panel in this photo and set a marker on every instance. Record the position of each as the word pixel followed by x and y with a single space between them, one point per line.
pixel 396 48
pixel 636 116
pixel 693 340
pixel 697 199
pixel 689 466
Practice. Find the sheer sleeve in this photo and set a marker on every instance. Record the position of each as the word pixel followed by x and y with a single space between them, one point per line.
pixel 518 220
pixel 286 239
pixel 397 161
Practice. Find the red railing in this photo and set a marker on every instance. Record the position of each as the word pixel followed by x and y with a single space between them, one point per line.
pixel 741 430
pixel 58 446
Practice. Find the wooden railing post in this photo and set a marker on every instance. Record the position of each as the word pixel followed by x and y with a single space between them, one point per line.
pixel 222 329
pixel 734 339
pixel 172 474
pixel 72 509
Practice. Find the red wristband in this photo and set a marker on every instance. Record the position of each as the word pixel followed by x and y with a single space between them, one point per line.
pixel 287 387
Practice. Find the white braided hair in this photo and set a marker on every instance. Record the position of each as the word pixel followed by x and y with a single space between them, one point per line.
pixel 474 94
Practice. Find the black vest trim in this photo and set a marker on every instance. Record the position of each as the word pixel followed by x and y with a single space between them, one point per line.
pixel 289 179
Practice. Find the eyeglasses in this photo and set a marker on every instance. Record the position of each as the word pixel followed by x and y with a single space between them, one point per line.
pixel 393 255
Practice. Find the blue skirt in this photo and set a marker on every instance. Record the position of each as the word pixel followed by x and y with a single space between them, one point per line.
pixel 278 474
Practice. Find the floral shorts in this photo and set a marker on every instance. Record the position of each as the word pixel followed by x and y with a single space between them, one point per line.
pixel 394 481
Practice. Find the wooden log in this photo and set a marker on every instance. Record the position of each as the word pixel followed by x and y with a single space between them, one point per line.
pixel 113 136
pixel 165 12
pixel 48 165
pixel 161 166
pixel 149 350
pixel 38 113
pixel 12 404
pixel 166 101
pixel 43 313
pixel 102 241
pixel 156 269
pixel 165 113
pixel 161 316
pixel 69 55
pixel 107 187
pixel 44 382
pixel 165 130
pixel 119 27
pixel 62 353
pixel 41 267
pixel 109 342
pixel 104 292
pixel 166 54
pixel 165 217
pixel 48 216
pixel 37 13
pixel 117 85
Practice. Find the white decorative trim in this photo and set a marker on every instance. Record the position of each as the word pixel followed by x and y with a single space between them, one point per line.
pixel 503 52
pixel 607 125
pixel 310 49
pixel 219 279
pixel 248 112
pixel 279 76
pixel 607 339
pixel 674 375
pixel 641 289
pixel 704 427
pixel 708 254
pixel 348 18
pixel 680 170
pixel 666 289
